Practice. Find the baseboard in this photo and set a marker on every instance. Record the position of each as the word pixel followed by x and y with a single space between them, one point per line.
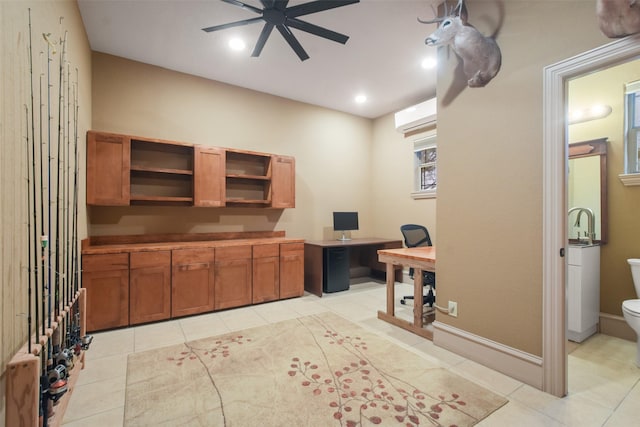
pixel 515 363
pixel 616 326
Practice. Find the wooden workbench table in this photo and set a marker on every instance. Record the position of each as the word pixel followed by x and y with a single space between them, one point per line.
pixel 421 259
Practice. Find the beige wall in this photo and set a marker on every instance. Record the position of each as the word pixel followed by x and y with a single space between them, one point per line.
pixel 392 179
pixel 332 149
pixel 14 95
pixel 607 87
pixel 489 172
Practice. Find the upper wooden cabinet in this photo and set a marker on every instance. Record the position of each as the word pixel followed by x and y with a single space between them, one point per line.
pixel 108 169
pixel 131 170
pixel 209 187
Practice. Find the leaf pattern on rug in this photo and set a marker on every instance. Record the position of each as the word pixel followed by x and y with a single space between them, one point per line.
pixel 361 392
pixel 220 348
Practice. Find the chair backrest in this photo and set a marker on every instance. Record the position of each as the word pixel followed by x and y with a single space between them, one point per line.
pixel 415 235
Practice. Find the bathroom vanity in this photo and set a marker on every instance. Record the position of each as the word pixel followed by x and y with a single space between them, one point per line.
pixel 583 291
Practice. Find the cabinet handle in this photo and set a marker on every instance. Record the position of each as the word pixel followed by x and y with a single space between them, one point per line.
pixel 198 266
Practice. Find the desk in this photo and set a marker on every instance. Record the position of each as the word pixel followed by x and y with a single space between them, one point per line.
pixel 361 252
pixel 421 258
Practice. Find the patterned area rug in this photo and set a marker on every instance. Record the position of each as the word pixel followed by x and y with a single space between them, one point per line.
pixel 319 370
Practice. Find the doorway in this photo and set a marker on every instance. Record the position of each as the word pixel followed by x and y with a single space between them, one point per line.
pixel 554 222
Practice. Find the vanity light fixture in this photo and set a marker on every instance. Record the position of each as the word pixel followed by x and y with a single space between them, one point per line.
pixel 597 111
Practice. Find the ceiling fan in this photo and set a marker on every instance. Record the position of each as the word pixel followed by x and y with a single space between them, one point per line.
pixel 276 14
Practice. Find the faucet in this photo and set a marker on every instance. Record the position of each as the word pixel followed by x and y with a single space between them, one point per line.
pixel 591 234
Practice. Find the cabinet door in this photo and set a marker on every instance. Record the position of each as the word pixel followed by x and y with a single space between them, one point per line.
pixel 232 276
pixel 192 275
pixel 108 169
pixel 283 182
pixel 106 280
pixel 266 273
pixel 150 288
pixel 209 177
pixel 291 270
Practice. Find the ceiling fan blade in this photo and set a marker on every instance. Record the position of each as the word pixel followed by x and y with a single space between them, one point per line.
pixel 293 42
pixel 316 6
pixel 232 24
pixel 264 35
pixel 280 4
pixel 243 5
pixel 316 30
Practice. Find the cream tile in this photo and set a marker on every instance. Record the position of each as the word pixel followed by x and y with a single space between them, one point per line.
pixel 493 380
pixel 274 312
pixel 241 318
pixel 206 325
pixel 157 335
pixel 111 343
pixel 94 398
pixel 628 413
pixel 110 418
pixel 516 414
pixel 102 369
pixel 570 411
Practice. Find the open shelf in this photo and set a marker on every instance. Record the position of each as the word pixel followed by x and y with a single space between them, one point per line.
pixel 150 171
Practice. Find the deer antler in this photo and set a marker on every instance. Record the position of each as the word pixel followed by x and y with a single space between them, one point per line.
pixel 435 13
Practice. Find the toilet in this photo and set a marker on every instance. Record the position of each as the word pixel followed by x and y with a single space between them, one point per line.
pixel 631 307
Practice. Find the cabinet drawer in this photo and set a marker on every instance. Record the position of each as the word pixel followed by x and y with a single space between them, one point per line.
pixel 150 259
pixel 233 252
pixel 192 256
pixel 107 262
pixel 266 251
pixel 290 248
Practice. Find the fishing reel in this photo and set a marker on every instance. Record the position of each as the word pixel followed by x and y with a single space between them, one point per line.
pixel 57 390
pixel 65 358
pixel 59 372
pixel 86 341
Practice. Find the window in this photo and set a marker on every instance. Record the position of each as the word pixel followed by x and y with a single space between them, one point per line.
pixel 632 127
pixel 425 156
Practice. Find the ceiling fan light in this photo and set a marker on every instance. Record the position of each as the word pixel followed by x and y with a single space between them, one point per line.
pixel 237 44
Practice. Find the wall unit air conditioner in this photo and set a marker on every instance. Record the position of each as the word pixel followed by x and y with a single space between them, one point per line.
pixel 417 117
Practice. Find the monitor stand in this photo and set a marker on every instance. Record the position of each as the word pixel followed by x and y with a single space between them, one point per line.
pixel 344 237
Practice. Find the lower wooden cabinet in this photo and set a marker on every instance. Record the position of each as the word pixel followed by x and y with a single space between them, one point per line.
pixel 192 285
pixel 266 273
pixel 150 286
pixel 106 280
pixel 232 276
pixel 130 288
pixel 291 270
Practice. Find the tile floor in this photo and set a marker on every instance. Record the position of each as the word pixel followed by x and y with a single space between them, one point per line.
pixel 604 383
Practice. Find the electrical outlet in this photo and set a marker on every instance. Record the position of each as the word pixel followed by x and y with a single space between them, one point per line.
pixel 453 309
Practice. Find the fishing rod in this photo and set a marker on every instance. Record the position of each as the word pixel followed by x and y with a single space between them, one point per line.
pixel 58 272
pixel 29 256
pixel 33 191
pixel 45 386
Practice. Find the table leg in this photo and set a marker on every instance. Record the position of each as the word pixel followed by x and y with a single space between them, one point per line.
pixel 417 297
pixel 391 289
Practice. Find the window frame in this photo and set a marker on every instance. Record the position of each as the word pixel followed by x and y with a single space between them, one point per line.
pixel 423 143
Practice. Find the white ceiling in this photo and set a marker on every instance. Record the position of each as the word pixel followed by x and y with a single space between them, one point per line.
pixel 382 57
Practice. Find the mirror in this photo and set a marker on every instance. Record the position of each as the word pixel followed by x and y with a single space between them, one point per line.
pixel 588 188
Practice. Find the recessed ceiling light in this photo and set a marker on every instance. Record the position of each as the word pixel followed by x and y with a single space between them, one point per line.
pixel 237 44
pixel 429 63
pixel 361 98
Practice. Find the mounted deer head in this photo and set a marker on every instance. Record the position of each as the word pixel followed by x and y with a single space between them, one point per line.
pixel 481 57
pixel 618 18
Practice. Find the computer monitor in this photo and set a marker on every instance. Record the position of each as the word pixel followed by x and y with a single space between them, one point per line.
pixel 345 221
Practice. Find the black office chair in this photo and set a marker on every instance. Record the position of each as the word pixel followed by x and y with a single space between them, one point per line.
pixel 414 236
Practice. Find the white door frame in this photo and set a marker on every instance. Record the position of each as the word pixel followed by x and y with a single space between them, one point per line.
pixel 554 202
